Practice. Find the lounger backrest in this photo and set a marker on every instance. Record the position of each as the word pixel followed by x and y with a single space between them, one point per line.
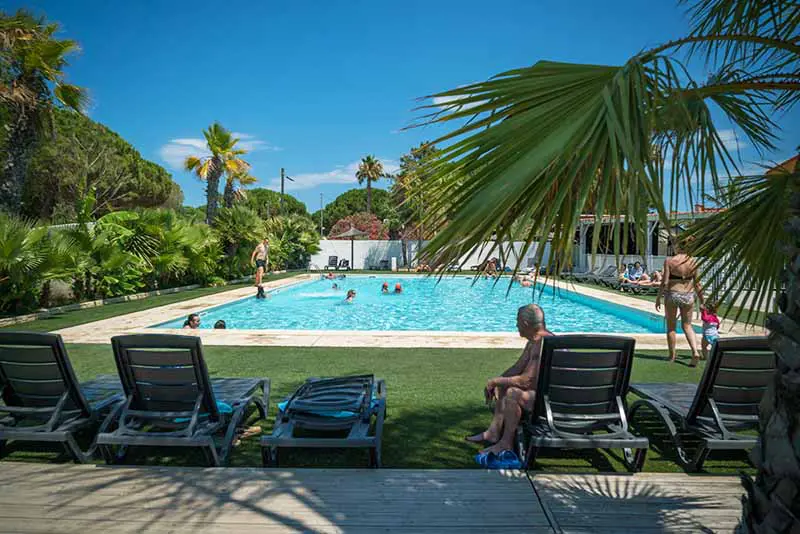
pixel 333 261
pixel 609 271
pixel 737 374
pixel 341 394
pixel 36 372
pixel 164 373
pixel 581 377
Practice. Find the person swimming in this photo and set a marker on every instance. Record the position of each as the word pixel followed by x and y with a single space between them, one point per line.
pixel 329 276
pixel 398 288
pixel 335 287
pixel 385 287
pixel 351 295
pixel 220 325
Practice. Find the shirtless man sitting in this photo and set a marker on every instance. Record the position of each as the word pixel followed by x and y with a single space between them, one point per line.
pixel 515 390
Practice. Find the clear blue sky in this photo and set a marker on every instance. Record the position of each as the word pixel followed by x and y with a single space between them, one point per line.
pixel 316 85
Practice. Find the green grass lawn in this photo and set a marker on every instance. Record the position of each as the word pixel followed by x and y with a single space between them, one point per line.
pixel 88 315
pixel 434 400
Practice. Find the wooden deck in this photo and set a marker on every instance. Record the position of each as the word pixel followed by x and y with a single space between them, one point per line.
pixel 72 498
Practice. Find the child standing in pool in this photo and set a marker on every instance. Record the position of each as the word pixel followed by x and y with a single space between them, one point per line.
pixel 708 314
pixel 385 287
pixel 351 296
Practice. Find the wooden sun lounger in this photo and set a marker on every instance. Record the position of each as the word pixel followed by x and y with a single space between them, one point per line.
pixel 724 403
pixel 171 402
pixel 42 399
pixel 351 404
pixel 580 399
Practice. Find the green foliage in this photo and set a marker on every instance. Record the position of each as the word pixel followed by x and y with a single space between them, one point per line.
pixel 370 170
pixel 292 240
pixel 84 155
pixel 355 201
pixel 28 257
pixel 239 229
pixel 407 190
pixel 267 202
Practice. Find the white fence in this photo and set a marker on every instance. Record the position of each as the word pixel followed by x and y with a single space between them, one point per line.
pixel 370 253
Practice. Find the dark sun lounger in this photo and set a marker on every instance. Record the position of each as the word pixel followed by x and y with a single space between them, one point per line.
pixel 172 402
pixel 580 400
pixel 42 399
pixel 355 405
pixel 723 404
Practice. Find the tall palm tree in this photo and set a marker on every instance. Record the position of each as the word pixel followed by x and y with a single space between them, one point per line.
pixel 370 170
pixel 229 195
pixel 538 146
pixel 223 158
pixel 32 81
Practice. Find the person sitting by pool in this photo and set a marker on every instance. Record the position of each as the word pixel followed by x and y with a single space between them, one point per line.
pixel 515 390
pixel 385 287
pixel 648 281
pixel 635 272
pixel 192 322
pixel 398 289
pixel 219 325
pixel 351 295
pixel 622 274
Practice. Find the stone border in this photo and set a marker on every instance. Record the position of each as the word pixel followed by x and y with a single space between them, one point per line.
pixel 140 322
pixel 47 312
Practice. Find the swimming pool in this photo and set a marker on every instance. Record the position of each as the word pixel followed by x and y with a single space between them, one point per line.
pixel 453 304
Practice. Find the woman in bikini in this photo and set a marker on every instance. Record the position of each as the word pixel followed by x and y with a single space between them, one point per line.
pixel 679 287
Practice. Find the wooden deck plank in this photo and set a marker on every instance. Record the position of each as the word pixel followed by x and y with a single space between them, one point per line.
pixel 71 498
pixel 640 503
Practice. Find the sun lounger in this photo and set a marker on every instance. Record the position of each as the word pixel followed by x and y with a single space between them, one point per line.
pixel 321 406
pixel 42 399
pixel 580 398
pixel 333 261
pixel 344 265
pixel 724 403
pixel 171 402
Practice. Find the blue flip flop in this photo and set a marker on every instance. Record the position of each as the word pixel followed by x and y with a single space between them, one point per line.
pixel 504 460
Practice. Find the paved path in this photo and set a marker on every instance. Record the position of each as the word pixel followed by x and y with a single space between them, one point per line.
pixel 79 499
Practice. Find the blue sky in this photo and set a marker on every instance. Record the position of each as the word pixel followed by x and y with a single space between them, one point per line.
pixel 312 86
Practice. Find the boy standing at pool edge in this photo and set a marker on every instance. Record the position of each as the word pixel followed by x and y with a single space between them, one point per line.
pixel 260 259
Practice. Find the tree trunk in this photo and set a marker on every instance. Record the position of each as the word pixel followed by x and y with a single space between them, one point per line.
pixel 19 147
pixel 227 195
pixel 369 196
pixel 212 196
pixel 772 504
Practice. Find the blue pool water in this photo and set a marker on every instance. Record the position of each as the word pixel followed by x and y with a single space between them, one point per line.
pixel 452 304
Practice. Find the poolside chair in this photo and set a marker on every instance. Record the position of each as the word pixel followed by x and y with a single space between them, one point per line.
pixel 588 275
pixel 580 399
pixel 42 398
pixel 171 402
pixel 345 404
pixel 333 261
pixel 724 403
pixel 344 265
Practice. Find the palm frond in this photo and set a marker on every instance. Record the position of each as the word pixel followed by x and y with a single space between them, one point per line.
pixel 742 248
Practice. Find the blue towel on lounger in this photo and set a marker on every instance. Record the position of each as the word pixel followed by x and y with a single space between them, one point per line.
pixel 337 415
pixel 222 407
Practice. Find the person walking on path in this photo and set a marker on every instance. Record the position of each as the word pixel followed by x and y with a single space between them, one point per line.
pixel 679 288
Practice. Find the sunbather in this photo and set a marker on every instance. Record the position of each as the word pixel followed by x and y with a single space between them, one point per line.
pixel 515 389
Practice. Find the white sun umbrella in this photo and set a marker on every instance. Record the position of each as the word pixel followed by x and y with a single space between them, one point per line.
pixel 352 233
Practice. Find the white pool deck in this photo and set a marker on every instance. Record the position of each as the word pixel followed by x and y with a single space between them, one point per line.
pixel 139 322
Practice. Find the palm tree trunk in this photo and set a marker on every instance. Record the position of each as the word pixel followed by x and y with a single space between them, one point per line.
pixel 212 197
pixel 20 143
pixel 227 195
pixel 369 196
pixel 772 504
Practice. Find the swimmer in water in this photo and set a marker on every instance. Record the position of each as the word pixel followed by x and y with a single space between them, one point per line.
pixel 398 288
pixel 385 287
pixel 351 295
pixel 335 287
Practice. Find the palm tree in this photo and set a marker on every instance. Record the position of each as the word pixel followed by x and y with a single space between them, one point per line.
pixel 538 146
pixel 223 158
pixel 370 170
pixel 229 195
pixel 32 81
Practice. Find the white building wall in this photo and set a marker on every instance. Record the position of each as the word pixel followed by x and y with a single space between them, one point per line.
pixel 370 253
